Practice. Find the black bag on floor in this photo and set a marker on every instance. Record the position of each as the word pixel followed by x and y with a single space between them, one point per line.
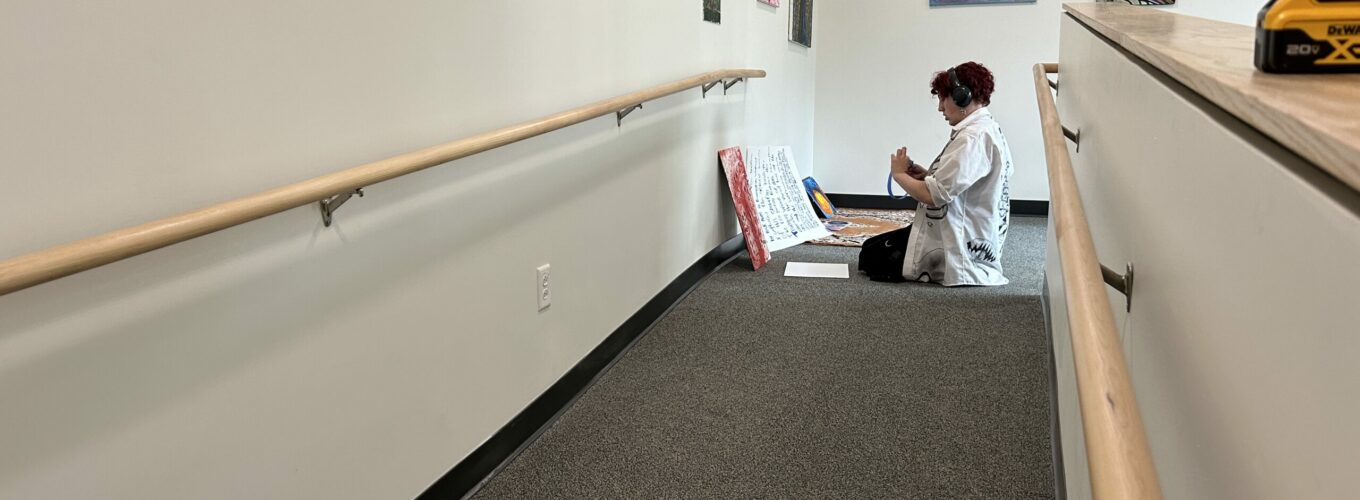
pixel 881 257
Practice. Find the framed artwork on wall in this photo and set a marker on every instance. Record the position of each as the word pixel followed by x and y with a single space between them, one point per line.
pixel 939 3
pixel 713 11
pixel 771 3
pixel 800 22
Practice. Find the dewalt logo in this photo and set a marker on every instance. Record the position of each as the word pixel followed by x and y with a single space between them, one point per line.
pixel 1346 50
pixel 1343 30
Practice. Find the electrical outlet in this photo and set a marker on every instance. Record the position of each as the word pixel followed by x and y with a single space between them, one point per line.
pixel 544 290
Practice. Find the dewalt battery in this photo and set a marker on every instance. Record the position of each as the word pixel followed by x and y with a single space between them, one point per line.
pixel 1308 36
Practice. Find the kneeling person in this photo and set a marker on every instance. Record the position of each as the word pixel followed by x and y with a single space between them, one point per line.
pixel 964 196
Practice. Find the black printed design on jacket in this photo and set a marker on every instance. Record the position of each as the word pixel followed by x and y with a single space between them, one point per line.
pixel 1003 209
pixel 933 260
pixel 982 251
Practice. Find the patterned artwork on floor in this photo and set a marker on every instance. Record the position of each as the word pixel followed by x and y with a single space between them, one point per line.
pixel 859 224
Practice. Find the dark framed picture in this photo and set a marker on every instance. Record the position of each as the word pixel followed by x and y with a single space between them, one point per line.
pixel 800 22
pixel 713 11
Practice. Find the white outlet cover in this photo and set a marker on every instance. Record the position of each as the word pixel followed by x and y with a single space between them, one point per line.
pixel 543 287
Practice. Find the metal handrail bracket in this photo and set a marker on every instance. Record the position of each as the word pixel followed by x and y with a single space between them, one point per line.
pixel 709 86
pixel 330 205
pixel 729 84
pixel 1121 282
pixel 1075 137
pixel 625 111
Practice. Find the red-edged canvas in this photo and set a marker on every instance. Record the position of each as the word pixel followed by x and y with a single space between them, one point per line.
pixel 735 168
pixel 772 3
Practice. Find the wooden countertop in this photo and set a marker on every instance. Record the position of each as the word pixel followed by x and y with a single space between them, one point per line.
pixel 1316 116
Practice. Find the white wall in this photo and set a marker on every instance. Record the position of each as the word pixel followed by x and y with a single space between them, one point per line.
pixel 873 84
pixel 1232 11
pixel 873 75
pixel 280 359
pixel 780 107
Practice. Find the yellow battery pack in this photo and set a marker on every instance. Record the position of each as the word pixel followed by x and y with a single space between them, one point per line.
pixel 1308 36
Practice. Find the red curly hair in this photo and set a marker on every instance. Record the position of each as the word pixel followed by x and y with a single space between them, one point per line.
pixel 972 75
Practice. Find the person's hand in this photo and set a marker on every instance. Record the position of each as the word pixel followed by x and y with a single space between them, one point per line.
pixel 900 162
pixel 917 172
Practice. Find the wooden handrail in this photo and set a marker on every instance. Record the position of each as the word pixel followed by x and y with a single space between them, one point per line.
pixel 42 266
pixel 1117 452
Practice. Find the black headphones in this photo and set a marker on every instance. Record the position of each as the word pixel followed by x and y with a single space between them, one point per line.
pixel 962 95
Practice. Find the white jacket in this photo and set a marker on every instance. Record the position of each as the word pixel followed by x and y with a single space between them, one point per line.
pixel 958 242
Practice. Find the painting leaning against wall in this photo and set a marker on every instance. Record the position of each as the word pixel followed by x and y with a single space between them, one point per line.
pixel 713 11
pixel 800 22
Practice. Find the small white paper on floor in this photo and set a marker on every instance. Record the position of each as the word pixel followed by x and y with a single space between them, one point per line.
pixel 810 270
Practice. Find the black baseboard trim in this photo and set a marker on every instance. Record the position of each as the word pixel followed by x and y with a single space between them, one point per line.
pixel 871 201
pixel 1029 207
pixel 1018 207
pixel 482 464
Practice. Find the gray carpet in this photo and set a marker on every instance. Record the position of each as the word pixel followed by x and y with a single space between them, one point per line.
pixel 761 386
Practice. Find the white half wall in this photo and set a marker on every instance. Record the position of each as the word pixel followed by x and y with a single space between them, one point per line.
pixel 1237 367
pixel 281 359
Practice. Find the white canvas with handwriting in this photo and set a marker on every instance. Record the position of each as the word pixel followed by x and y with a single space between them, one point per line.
pixel 786 216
